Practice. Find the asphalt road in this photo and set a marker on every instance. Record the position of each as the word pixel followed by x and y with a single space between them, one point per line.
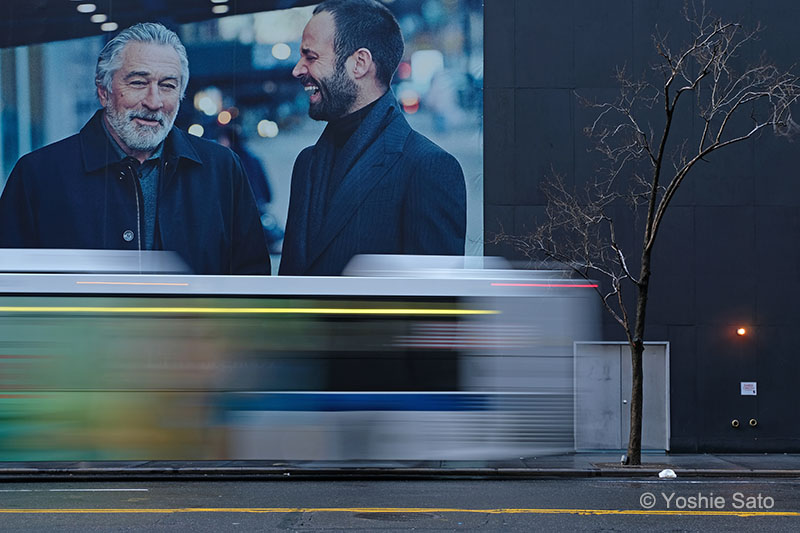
pixel 595 504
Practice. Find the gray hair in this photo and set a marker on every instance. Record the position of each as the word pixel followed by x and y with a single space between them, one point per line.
pixel 110 59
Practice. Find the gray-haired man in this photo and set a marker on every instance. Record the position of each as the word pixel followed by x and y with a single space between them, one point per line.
pixel 130 180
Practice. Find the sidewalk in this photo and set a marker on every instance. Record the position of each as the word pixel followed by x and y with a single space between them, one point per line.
pixel 559 466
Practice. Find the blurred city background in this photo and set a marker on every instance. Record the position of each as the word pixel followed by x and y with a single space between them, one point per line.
pixel 241 91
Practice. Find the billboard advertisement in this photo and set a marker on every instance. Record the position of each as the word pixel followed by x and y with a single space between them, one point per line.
pixel 260 83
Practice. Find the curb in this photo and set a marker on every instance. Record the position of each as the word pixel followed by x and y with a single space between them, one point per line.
pixel 365 473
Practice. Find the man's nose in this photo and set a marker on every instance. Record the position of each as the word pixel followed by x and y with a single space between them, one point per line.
pixel 153 99
pixel 299 69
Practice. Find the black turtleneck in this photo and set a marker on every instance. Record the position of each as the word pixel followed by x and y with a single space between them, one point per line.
pixel 343 128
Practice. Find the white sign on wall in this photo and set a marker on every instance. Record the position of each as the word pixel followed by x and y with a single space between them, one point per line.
pixel 748 388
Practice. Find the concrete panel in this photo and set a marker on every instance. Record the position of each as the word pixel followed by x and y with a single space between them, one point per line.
pixel 777 258
pixel 780 35
pixel 603 41
pixel 725 242
pixel 726 178
pixel 528 218
pixel 543 130
pixel 778 391
pixel 650 17
pixel 725 300
pixel 671 300
pixel 683 384
pixel 497 220
pixel 499 50
pixel 777 301
pixel 776 163
pixel 684 137
pixel 676 245
pixel 724 361
pixel 499 147
pixel 587 160
pixel 745 13
pixel 672 287
pixel 545 43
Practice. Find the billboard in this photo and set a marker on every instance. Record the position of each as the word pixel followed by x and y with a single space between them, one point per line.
pixel 242 93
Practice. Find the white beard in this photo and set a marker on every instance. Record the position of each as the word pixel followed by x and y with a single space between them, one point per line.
pixel 137 136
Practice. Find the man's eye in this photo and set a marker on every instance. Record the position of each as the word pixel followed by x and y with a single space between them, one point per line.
pixel 169 86
pixel 138 83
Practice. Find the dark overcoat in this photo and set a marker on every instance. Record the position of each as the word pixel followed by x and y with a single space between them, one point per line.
pixel 398 194
pixel 76 193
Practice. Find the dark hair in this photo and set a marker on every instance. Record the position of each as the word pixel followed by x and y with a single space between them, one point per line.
pixel 366 24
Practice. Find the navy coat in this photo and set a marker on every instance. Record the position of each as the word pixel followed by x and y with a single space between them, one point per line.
pixel 402 195
pixel 75 193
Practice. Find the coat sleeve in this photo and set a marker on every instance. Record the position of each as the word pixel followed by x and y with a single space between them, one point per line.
pixel 249 247
pixel 17 223
pixel 435 217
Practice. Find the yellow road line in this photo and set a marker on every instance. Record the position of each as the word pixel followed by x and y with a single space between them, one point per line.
pixel 250 310
pixel 409 510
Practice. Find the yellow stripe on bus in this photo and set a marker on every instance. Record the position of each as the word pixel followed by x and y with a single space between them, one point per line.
pixel 249 310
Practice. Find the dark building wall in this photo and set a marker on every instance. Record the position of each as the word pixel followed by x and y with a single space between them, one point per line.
pixel 727 254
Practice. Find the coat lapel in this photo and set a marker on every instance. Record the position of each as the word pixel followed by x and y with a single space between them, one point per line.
pixel 371 166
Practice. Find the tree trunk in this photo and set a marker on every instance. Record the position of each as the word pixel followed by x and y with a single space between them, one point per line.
pixel 635 438
pixel 637 376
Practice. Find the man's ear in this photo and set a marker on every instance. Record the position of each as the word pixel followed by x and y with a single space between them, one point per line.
pixel 362 62
pixel 102 94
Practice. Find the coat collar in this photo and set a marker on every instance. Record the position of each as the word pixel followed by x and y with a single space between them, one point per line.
pixel 98 152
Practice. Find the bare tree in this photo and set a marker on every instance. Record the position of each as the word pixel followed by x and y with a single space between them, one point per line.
pixel 645 167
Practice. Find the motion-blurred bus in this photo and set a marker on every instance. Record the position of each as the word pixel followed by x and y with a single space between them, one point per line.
pixel 445 360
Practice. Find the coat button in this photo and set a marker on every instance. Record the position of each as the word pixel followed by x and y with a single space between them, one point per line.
pixel 127 235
